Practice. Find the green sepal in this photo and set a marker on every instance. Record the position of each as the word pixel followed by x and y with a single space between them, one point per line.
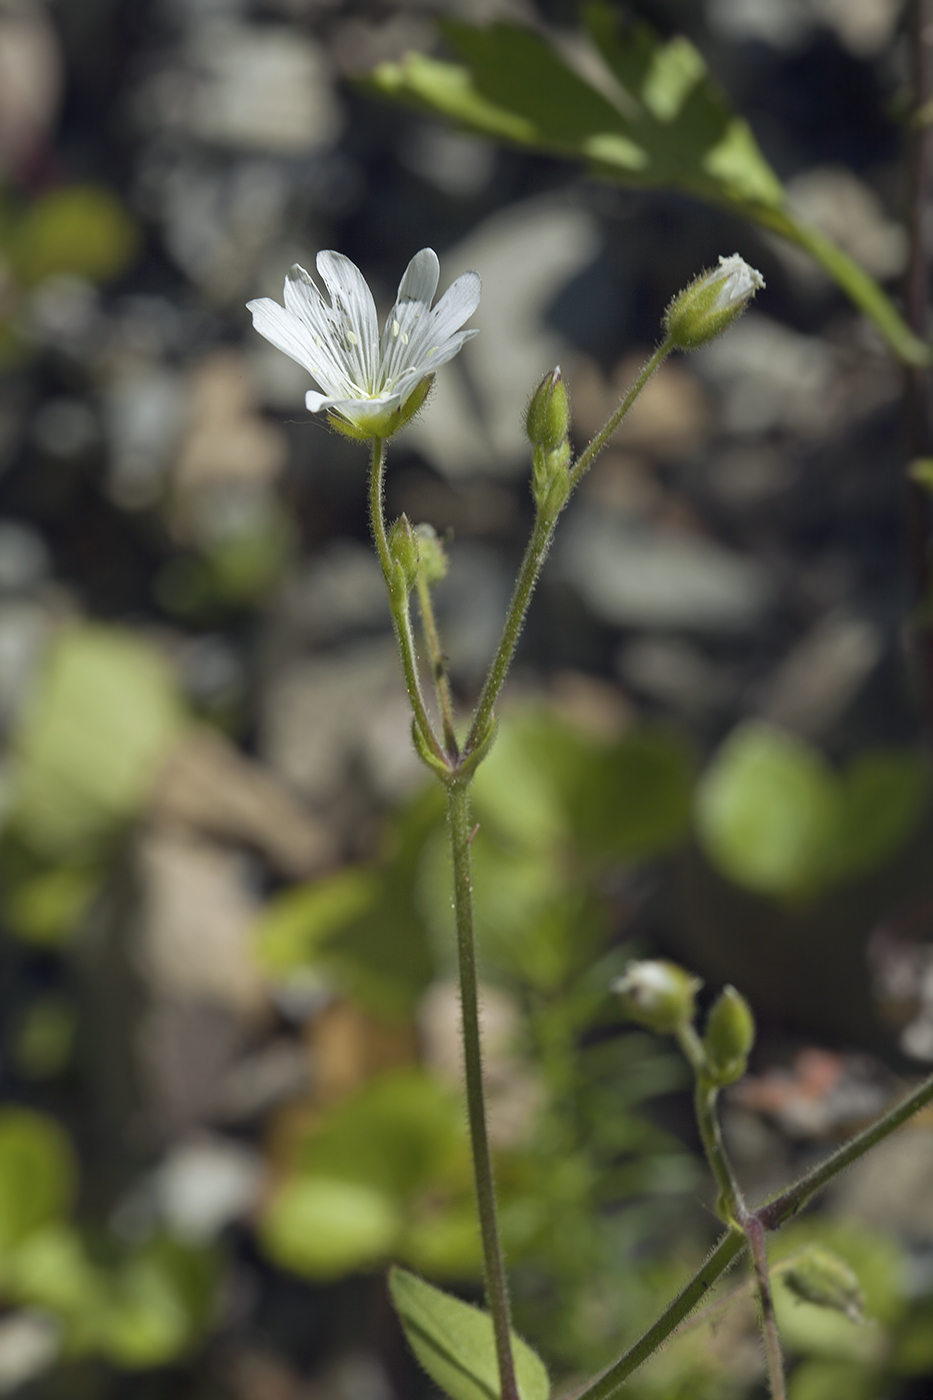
pixel 471 761
pixel 427 754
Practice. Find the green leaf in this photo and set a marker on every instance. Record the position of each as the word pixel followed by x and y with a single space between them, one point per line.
pixel 81 229
pixel 656 119
pixel 324 1227
pixel 296 925
pixel 37 1174
pixel 884 794
pixel 105 715
pixel 768 812
pixel 396 1134
pixel 454 1343
pixel 635 798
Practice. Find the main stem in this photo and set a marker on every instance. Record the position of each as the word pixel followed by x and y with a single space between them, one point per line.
pixel 497 1295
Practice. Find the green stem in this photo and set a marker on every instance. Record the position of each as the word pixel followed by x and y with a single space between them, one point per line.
pixel 535 555
pixel 787 1203
pixel 497 1296
pixel 438 668
pixel 401 618
pixel 589 455
pixel 611 1381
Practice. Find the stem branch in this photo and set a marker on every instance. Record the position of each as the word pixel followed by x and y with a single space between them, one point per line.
pixel 438 669
pixel 401 617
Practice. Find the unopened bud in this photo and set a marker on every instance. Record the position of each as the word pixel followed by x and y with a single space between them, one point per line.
pixel 547 421
pixel 659 995
pixel 432 561
pixel 818 1276
pixel 730 1035
pixel 711 302
pixel 403 547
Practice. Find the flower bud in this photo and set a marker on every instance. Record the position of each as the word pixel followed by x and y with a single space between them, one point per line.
pixel 432 561
pixel 730 1035
pixel 547 420
pixel 659 995
pixel 403 547
pixel 711 302
pixel 818 1276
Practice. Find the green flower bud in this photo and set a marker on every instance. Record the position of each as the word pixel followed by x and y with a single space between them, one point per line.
pixel 659 995
pixel 547 420
pixel 730 1035
pixel 432 559
pixel 818 1276
pixel 403 547
pixel 711 302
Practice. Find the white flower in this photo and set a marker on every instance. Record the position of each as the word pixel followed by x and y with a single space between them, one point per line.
pixel 367 378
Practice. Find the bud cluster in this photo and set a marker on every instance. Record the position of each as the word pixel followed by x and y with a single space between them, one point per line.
pixel 662 996
pixel 547 423
pixel 416 552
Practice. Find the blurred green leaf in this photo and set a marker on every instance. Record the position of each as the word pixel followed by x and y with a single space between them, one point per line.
pixel 655 118
pixel 455 1345
pixel 832 1380
pixel 398 1133
pixel 774 817
pixel 45 1040
pixel 296 925
pixel 105 714
pixel 43 902
pixel 884 794
pixel 635 796
pixel 37 1174
pixel 323 1227
pixel 768 811
pixel 160 1300
pixel 81 229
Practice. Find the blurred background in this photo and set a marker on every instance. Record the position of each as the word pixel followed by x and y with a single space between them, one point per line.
pixel 228 1052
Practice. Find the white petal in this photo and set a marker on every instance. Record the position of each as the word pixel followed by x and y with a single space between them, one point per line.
pixel 285 331
pixel 315 402
pixel 420 280
pixel 456 306
pixel 351 296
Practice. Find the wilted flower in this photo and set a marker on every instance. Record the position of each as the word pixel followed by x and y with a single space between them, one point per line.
pixel 370 382
pixel 712 302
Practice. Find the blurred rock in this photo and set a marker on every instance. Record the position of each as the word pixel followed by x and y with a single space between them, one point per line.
pixel 198 912
pixel 204 1185
pixel 848 211
pixel 360 44
pixel 143 414
pixel 24 557
pixel 823 1095
pixel 348 1046
pixel 358 1376
pixel 824 672
pixel 64 313
pixel 272 1075
pixel 319 716
pixel 471 604
pixel 670 418
pixel 768 377
pixel 208 786
pixel 527 254
pixel 65 428
pixel 338 592
pixel 225 439
pixel 30 82
pixel 25 628
pixel 247 86
pixel 864 27
pixel 458 165
pixel 889 1188
pixel 647 576
pixel 675 674
pixel 29 1344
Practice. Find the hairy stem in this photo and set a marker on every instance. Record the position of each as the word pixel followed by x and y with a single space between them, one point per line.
pixel 401 618
pixel 774 1361
pixel 438 668
pixel 787 1203
pixel 497 1296
pixel 610 1382
pixel 589 455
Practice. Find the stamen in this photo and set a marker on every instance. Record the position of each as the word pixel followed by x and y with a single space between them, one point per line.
pixel 353 339
pixel 404 337
pixel 395 328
